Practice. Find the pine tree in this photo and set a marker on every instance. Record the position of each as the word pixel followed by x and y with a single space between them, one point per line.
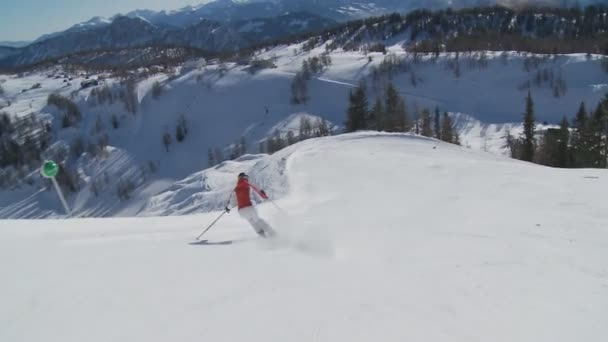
pixel 236 149
pixel 390 106
pixel 563 147
pixel 130 96
pixel 528 140
pixel 181 121
pixel 377 120
pixel 427 130
pixel 371 120
pixel 604 104
pixel 157 90
pixel 403 121
pixel 322 128
pixel 417 120
pixel 6 125
pixel 305 128
pixel 597 144
pixel 581 138
pixel 306 72
pixel 455 136
pixel 219 156
pixel 391 102
pixel 299 89
pixel 513 145
pixel 65 121
pixel 291 138
pixel 447 130
pixel 167 141
pixel 98 125
pixel 179 133
pixel 548 148
pixel 243 146
pixel 276 142
pixel 115 123
pixel 357 110
pixel 437 124
pixel 210 158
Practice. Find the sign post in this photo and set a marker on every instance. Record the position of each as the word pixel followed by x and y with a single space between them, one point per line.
pixel 49 170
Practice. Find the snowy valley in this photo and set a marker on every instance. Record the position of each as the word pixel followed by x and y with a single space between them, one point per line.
pixel 228 107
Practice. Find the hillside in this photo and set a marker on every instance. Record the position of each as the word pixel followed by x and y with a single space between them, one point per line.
pixel 386 237
pixel 123 33
pixel 117 146
pixel 545 30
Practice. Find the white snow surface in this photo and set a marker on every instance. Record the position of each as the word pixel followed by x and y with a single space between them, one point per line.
pixel 384 237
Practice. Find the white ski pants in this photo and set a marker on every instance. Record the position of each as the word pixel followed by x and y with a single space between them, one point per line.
pixel 261 227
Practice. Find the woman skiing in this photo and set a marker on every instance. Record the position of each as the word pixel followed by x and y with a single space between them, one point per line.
pixel 246 208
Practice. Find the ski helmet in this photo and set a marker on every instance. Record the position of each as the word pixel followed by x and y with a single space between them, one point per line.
pixel 243 175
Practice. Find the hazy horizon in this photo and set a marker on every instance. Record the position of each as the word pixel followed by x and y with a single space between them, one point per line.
pixel 27 20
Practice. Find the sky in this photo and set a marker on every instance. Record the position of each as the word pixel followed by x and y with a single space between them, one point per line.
pixel 29 19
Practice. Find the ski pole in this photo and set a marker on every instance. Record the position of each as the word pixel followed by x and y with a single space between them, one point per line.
pixel 211 225
pixel 276 206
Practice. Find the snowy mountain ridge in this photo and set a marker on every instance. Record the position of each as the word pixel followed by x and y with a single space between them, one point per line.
pixel 93 23
pixel 335 9
pixel 14 44
pixel 125 32
pixel 340 10
pixel 538 30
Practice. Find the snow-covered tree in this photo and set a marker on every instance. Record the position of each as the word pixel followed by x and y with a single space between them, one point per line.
pixel 306 129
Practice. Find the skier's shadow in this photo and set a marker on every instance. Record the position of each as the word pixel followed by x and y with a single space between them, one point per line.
pixel 209 243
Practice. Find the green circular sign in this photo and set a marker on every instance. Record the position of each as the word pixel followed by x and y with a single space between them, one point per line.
pixel 49 169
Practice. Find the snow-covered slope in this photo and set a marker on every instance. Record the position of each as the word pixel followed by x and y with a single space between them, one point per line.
pixel 385 237
pixel 489 137
pixel 211 188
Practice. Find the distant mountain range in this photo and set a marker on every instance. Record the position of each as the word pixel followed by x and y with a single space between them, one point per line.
pixel 223 25
pixel 129 32
pixel 15 43
pixel 338 10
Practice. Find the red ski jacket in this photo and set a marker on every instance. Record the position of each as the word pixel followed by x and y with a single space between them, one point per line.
pixel 243 198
